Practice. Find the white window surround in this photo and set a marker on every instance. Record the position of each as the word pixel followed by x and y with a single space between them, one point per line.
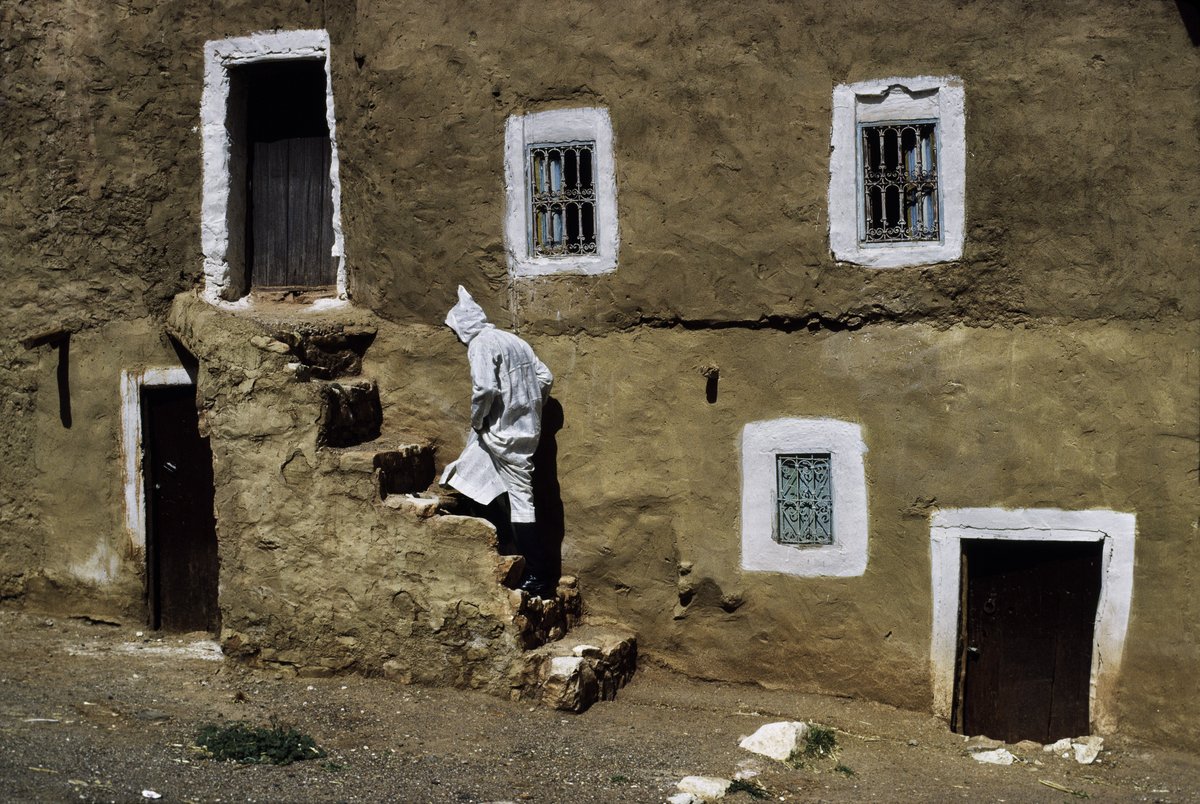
pixel 897 99
pixel 761 442
pixel 559 125
pixel 1115 530
pixel 221 285
pixel 132 382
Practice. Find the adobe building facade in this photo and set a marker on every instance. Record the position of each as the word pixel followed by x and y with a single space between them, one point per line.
pixel 795 445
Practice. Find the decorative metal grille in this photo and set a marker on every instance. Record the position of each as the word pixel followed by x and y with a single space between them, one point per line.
pixel 900 182
pixel 804 499
pixel 562 197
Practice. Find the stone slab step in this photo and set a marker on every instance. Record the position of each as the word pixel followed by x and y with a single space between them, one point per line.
pixel 400 469
pixel 590 664
pixel 537 620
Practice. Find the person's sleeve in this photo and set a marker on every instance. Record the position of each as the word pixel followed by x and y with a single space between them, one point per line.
pixel 485 382
pixel 544 377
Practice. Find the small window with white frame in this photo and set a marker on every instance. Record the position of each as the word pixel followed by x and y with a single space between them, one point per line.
pixel 897 172
pixel 561 200
pixel 804 497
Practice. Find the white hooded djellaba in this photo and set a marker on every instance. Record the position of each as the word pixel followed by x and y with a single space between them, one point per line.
pixel 509 385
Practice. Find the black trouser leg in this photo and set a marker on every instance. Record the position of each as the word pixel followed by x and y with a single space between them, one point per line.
pixel 537 567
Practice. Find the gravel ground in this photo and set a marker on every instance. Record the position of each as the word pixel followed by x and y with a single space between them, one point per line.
pixel 95 712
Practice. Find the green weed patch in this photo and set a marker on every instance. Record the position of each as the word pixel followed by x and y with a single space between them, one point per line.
pixel 240 742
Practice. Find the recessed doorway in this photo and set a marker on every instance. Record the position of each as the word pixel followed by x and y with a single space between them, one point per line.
pixel 1102 536
pixel 180 529
pixel 1028 621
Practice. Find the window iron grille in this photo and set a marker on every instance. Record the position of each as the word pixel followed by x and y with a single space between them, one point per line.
pixel 900 182
pixel 804 499
pixel 562 198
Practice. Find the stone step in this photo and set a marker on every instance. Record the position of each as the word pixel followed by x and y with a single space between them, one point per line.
pixel 590 664
pixel 537 620
pixel 392 468
pixel 326 351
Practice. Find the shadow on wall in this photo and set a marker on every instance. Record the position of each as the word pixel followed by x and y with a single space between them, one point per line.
pixel 547 495
pixel 1189 10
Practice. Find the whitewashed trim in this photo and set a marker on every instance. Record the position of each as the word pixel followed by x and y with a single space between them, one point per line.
pixel 521 131
pixel 917 98
pixel 220 287
pixel 761 442
pixel 1116 530
pixel 132 382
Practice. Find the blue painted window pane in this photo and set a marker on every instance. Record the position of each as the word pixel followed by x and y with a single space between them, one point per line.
pixel 804 499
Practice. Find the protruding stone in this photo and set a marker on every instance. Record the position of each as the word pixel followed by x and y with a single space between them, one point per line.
pixel 1087 749
pixel 570 684
pixel 982 743
pixel 777 740
pixel 509 570
pixel 705 788
pixel 997 756
pixel 420 507
pixel 270 345
pixel 1060 747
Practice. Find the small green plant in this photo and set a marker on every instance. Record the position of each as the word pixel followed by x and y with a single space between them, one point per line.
pixel 845 771
pixel 618 778
pixel 820 742
pixel 752 788
pixel 240 742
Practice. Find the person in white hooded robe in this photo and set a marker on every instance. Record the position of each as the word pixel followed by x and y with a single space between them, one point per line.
pixel 509 386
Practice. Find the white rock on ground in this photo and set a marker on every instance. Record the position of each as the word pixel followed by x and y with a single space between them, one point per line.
pixel 704 788
pixel 777 740
pixel 1060 747
pixel 997 756
pixel 682 798
pixel 1087 749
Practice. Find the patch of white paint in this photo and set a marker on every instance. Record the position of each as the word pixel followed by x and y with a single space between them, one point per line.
pixel 559 125
pixel 100 568
pixel 204 649
pixel 132 382
pixel 1116 530
pixel 895 99
pixel 761 442
pixel 221 286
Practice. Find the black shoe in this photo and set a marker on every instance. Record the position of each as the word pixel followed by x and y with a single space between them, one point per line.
pixel 535 587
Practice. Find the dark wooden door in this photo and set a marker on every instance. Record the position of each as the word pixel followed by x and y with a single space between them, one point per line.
pixel 1029 624
pixel 290 192
pixel 181 539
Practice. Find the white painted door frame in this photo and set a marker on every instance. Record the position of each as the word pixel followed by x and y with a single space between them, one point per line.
pixel 1116 532
pixel 132 383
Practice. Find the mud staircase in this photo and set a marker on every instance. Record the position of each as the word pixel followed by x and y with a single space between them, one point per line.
pixel 548 651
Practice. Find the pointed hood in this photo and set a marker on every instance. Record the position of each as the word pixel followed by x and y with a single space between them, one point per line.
pixel 466 318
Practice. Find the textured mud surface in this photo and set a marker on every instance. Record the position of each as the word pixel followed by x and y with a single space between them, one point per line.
pixel 95 713
pixel 1053 366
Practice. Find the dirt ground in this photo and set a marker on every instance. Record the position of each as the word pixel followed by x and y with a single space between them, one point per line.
pixel 95 712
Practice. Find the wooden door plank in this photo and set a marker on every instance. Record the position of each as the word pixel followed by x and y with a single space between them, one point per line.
pixel 1030 614
pixel 182 532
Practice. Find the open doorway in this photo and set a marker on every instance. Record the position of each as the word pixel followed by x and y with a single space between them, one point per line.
pixel 181 540
pixel 278 120
pixel 1028 622
pixel 270 217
